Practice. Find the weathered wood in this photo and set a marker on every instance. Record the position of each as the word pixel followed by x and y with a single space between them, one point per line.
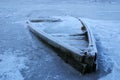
pixel 92 49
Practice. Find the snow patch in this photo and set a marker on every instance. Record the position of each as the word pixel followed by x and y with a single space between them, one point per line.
pixel 11 63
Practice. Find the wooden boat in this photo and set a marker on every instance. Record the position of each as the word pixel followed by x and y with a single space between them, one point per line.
pixel 69 35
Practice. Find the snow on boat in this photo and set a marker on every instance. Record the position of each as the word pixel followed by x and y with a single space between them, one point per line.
pixel 69 35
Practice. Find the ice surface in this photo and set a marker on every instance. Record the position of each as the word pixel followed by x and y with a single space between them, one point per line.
pixel 41 62
pixel 11 63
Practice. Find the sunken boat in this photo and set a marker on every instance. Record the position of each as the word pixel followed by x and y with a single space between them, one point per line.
pixel 71 37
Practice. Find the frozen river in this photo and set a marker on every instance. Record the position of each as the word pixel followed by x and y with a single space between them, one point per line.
pixel 25 57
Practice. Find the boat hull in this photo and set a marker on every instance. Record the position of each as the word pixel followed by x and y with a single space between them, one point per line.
pixel 84 61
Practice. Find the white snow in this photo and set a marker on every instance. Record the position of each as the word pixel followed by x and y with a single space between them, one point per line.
pixel 103 18
pixel 11 62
